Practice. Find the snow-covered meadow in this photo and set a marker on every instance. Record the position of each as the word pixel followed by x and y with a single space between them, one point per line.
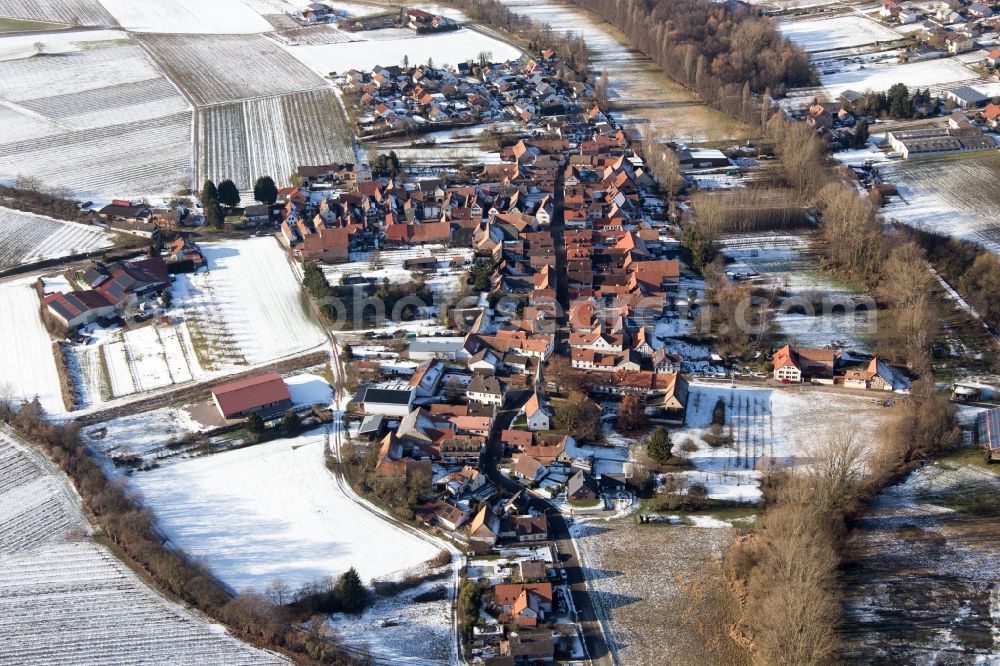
pixel 839 32
pixel 388 265
pixel 66 600
pixel 926 74
pixel 274 511
pixel 27 366
pixel 186 16
pixel 443 48
pixel 250 283
pixel 26 237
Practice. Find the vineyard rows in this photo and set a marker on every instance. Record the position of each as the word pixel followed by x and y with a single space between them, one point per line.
pixel 113 125
pixel 101 99
pixel 229 68
pixel 104 64
pixel 25 237
pixel 144 157
pixel 74 12
pixel 313 35
pixel 272 136
pixel 35 507
pixel 66 600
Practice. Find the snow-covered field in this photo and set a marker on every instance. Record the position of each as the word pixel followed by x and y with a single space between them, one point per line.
pixel 922 576
pixel 26 237
pixel 388 264
pixel 27 365
pixel 274 511
pixel 634 574
pixel 253 288
pixel 768 426
pixel 91 114
pixel 399 630
pixel 67 600
pixel 75 12
pixel 952 196
pixel 273 136
pixel 444 48
pixel 784 262
pixel 148 435
pixel 836 33
pixel 929 73
pixel 186 16
pixel 229 68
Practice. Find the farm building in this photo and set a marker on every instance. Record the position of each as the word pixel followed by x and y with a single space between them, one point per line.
pixel 79 308
pixel 919 142
pixel 989 433
pixel 450 349
pixel 389 398
pixel 792 365
pixel 266 395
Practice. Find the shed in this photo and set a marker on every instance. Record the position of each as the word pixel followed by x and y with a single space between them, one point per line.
pixel 266 395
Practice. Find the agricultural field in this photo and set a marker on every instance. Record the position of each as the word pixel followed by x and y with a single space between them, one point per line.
pixel 112 124
pixel 273 136
pixel 825 34
pixel 920 574
pixel 882 76
pixel 28 366
pixel 251 286
pixel 784 262
pixel 67 600
pixel 274 511
pixel 26 237
pixel 186 16
pixel 148 358
pixel 635 573
pixel 951 195
pixel 314 35
pixel 230 68
pixel 445 48
pixel 72 12
pixel 638 91
pixel 772 426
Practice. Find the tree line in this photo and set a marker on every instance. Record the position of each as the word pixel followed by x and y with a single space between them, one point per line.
pixel 725 54
pixel 130 529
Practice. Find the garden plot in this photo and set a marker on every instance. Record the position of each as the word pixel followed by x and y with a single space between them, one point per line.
pixel 444 48
pixel 150 436
pixel 450 148
pixel 920 574
pixel 953 196
pixel 273 136
pixel 255 291
pixel 785 263
pixel 66 600
pixel 112 123
pixel 840 32
pixel 274 511
pixel 399 630
pixel 26 237
pixel 72 12
pixel 27 366
pixel 186 16
pixel 635 575
pixel 768 427
pixel 229 68
pixel 930 73
pixel 388 265
pixel 639 93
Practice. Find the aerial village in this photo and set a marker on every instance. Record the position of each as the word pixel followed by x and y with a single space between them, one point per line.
pixel 463 389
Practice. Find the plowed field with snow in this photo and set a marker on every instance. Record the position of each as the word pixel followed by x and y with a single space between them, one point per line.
pixel 74 12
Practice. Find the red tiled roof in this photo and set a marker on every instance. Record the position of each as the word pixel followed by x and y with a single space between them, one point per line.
pixel 252 392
